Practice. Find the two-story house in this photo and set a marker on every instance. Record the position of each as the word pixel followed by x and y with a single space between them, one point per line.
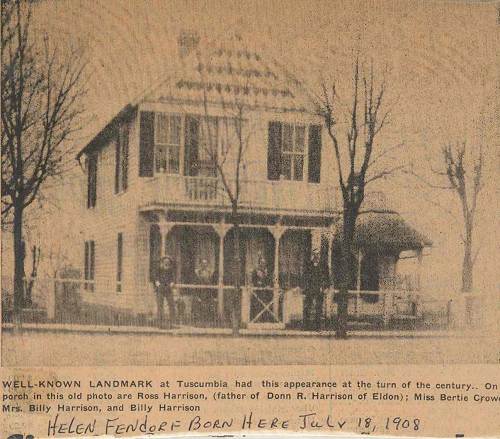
pixel 157 183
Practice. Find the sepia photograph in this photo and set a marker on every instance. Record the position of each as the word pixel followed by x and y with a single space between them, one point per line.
pixel 216 183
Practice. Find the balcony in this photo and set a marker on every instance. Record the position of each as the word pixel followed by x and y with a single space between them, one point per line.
pixel 264 195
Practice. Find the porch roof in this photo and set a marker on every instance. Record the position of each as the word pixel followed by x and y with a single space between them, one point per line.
pixel 387 231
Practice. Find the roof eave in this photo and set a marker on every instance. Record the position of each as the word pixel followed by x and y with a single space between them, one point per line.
pixel 108 131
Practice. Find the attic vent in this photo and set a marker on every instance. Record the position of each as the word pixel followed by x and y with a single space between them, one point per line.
pixel 187 42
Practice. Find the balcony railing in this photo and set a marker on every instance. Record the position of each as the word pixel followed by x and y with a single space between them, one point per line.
pixel 280 195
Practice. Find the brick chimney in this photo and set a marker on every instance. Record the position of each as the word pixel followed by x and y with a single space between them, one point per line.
pixel 187 42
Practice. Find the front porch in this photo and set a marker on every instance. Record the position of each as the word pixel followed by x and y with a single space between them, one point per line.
pixel 277 247
pixel 272 257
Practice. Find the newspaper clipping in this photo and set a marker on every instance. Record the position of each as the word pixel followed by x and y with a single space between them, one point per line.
pixel 232 217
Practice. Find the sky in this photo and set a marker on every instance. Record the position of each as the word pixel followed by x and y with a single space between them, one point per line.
pixel 442 57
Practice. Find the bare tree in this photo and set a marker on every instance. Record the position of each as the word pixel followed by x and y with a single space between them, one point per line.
pixel 460 170
pixel 467 191
pixel 41 90
pixel 227 142
pixel 354 159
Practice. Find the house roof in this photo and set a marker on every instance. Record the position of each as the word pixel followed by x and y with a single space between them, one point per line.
pixel 388 231
pixel 109 131
pixel 227 71
pixel 220 72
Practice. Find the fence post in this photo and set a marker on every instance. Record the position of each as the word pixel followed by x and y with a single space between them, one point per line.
pixel 448 313
pixel 245 304
pixel 385 315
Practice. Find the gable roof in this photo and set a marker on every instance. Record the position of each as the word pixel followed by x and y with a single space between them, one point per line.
pixel 219 72
pixel 227 71
pixel 109 131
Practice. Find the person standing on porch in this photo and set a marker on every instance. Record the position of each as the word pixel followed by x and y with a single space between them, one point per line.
pixel 164 282
pixel 204 299
pixel 316 280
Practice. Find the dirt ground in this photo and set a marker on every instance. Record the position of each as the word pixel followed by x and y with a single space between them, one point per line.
pixel 33 348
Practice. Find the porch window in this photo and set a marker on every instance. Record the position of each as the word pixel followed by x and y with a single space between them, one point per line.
pixel 119 262
pixel 167 142
pixel 89 266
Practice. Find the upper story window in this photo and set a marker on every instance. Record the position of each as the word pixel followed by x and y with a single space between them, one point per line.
pixel 290 147
pixel 293 150
pixel 121 158
pixel 91 179
pixel 167 147
pixel 208 147
pixel 174 144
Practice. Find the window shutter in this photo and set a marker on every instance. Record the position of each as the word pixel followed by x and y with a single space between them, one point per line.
pixel 274 151
pixel 92 179
pixel 117 161
pixel 92 260
pixel 314 153
pixel 124 156
pixel 154 250
pixel 146 144
pixel 86 261
pixel 191 155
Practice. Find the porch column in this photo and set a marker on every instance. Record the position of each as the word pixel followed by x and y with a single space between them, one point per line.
pixel 420 257
pixel 330 292
pixel 277 232
pixel 164 231
pixel 221 230
pixel 329 256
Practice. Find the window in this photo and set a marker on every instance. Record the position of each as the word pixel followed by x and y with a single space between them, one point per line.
pixel 119 262
pixel 91 180
pixel 201 145
pixel 121 161
pixel 288 145
pixel 167 135
pixel 292 151
pixel 89 266
pixel 161 139
pixel 208 147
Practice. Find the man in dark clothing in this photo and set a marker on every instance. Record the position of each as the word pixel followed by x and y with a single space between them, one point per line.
pixel 316 279
pixel 204 299
pixel 163 283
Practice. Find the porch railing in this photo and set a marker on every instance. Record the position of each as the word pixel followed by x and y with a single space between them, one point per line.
pixel 291 195
pixel 211 304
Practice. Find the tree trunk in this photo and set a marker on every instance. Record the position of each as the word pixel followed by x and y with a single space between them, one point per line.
pixel 468 263
pixel 235 315
pixel 35 259
pixel 349 222
pixel 19 253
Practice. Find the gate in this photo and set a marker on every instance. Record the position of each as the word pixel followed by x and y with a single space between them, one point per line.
pixel 263 307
